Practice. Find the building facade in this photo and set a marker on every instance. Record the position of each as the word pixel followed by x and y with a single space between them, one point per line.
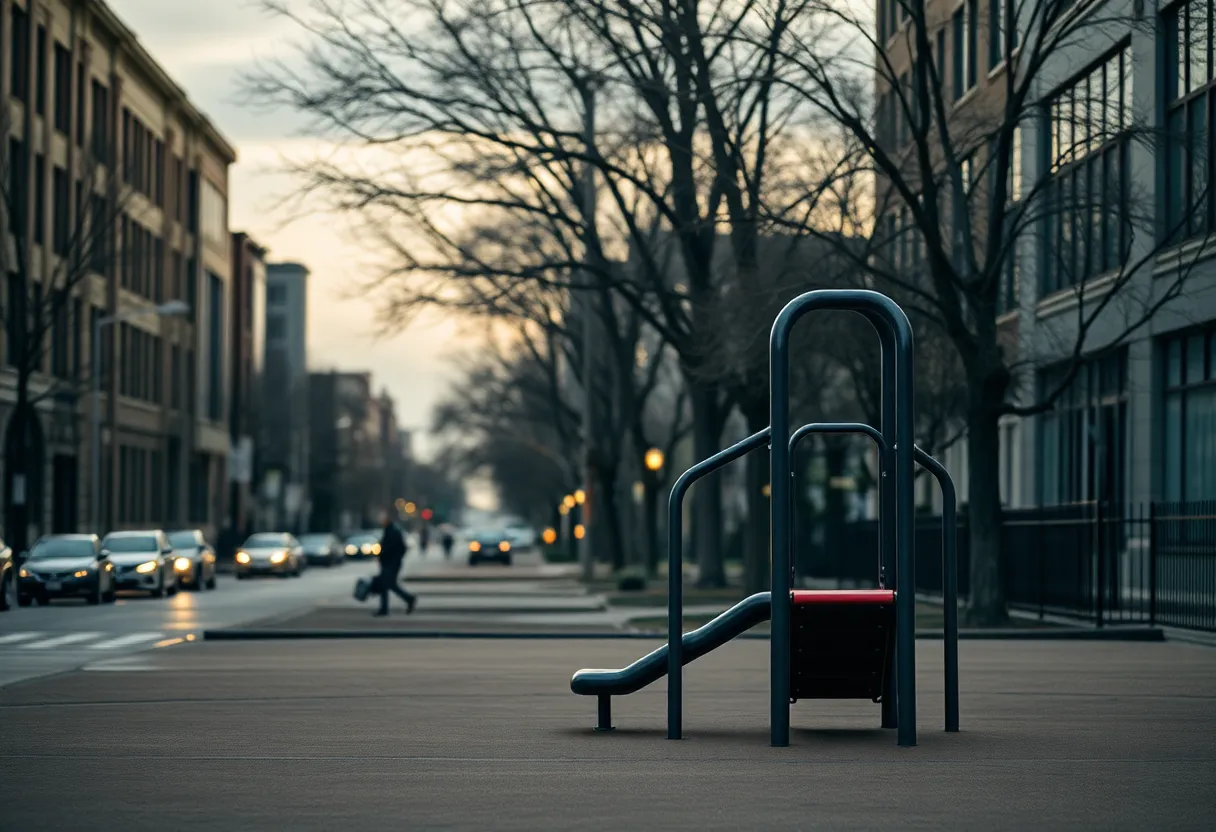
pixel 284 423
pixel 248 316
pixel 118 198
pixel 1118 128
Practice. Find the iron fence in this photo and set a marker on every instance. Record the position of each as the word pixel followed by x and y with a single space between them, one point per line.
pixel 1152 564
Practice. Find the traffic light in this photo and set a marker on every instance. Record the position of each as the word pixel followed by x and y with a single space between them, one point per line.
pixel 427 514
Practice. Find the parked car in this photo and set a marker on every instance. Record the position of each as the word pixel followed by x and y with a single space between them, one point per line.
pixel 195 559
pixel 270 553
pixel 143 560
pixel 66 566
pixel 8 577
pixel 489 545
pixel 322 549
pixel 364 544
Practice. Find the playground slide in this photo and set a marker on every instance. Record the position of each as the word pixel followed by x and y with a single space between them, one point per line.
pixel 653 666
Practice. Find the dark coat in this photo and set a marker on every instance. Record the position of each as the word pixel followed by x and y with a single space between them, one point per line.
pixel 392 549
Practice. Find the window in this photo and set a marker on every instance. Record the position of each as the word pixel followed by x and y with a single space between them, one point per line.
pixel 20 173
pixel 63 88
pixel 997 9
pixel 276 327
pixel 1082 449
pixel 965 25
pixel 192 203
pixel 215 346
pixel 1191 102
pixel 80 104
pixel 39 199
pixel 1011 275
pixel 78 325
pixel 100 241
pixel 20 53
pixel 60 211
pixel 972 50
pixel 12 307
pixel 192 287
pixel 101 122
pixel 276 295
pixel 126 145
pixel 40 71
pixel 1088 218
pixel 1189 434
pixel 175 376
pixel 59 338
pixel 158 272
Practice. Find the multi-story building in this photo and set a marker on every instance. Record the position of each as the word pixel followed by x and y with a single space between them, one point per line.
pixel 1117 127
pixel 283 446
pixel 248 316
pixel 119 202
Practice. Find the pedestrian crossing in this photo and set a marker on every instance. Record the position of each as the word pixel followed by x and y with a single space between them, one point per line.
pixel 34 640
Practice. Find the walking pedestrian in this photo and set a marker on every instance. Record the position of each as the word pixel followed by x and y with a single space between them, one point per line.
pixel 392 556
pixel 448 541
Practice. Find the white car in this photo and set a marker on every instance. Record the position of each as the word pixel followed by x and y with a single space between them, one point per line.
pixel 142 560
pixel 270 553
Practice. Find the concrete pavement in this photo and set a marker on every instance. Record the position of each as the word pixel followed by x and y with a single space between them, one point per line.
pixel 486 735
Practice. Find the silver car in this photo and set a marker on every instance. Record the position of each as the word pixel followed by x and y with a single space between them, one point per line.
pixel 143 561
pixel 270 553
pixel 66 566
pixel 194 560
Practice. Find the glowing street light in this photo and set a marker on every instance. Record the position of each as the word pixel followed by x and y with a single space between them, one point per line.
pixel 580 496
pixel 549 536
pixel 654 459
pixel 563 509
pixel 579 531
pixel 410 508
pixel 568 501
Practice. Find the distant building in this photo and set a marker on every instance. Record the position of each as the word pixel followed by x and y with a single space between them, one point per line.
pixel 248 316
pixel 284 425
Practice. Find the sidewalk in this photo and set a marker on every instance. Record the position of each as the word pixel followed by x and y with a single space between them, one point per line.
pixel 476 735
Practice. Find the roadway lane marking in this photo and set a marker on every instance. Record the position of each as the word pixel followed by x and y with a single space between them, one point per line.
pixel 124 641
pixel 11 638
pixel 59 641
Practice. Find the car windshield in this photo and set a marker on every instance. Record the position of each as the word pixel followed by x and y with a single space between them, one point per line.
pixel 266 541
pixel 184 540
pixel 488 534
pixel 314 540
pixel 62 548
pixel 133 543
pixel 364 537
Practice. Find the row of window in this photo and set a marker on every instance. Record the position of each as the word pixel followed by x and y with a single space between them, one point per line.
pixel 141 493
pixel 143 154
pixel 142 368
pixel 1083 439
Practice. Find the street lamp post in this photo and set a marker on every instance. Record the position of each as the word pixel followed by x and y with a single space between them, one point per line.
pixel 172 308
pixel 653 461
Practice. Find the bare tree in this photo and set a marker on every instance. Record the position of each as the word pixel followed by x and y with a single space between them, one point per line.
pixel 950 208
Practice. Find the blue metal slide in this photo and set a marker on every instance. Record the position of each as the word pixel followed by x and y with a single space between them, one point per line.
pixel 653 666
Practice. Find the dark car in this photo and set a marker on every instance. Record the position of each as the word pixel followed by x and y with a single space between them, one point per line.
pixel 8 577
pixel 489 545
pixel 142 560
pixel 66 566
pixel 195 559
pixel 364 544
pixel 325 549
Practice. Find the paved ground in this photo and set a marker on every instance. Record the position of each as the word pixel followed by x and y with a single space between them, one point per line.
pixel 485 735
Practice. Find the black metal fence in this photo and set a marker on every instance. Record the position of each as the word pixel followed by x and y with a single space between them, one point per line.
pixel 1153 564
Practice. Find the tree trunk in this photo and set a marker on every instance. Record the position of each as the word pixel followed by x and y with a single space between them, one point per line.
pixel 986 606
pixel 757 542
pixel 650 508
pixel 609 535
pixel 707 495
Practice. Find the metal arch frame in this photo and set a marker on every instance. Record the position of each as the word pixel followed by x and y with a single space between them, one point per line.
pixel 895 333
pixel 949 549
pixel 675 571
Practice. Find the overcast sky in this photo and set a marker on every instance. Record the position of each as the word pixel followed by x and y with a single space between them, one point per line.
pixel 205 47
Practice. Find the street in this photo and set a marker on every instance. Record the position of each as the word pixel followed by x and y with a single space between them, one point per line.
pixel 39 641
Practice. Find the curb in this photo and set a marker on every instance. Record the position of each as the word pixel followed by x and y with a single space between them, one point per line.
pixel 1125 634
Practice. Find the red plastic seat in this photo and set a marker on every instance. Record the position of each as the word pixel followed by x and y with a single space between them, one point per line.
pixel 803 597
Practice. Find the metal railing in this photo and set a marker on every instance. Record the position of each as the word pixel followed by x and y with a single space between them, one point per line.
pixel 1151 564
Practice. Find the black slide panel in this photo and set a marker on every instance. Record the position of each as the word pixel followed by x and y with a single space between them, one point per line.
pixel 653 666
pixel 840 651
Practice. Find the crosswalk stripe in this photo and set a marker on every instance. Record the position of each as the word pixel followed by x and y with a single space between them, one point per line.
pixel 12 638
pixel 59 641
pixel 123 641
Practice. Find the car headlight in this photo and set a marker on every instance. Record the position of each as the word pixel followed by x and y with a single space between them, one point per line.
pixel 182 564
pixel 504 546
pixel 242 557
pixel 147 567
pixel 474 546
pixel 352 549
pixel 375 548
pixel 278 557
pixel 23 572
pixel 82 573
pixel 367 548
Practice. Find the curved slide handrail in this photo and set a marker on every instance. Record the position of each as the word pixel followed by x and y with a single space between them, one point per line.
pixel 653 666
